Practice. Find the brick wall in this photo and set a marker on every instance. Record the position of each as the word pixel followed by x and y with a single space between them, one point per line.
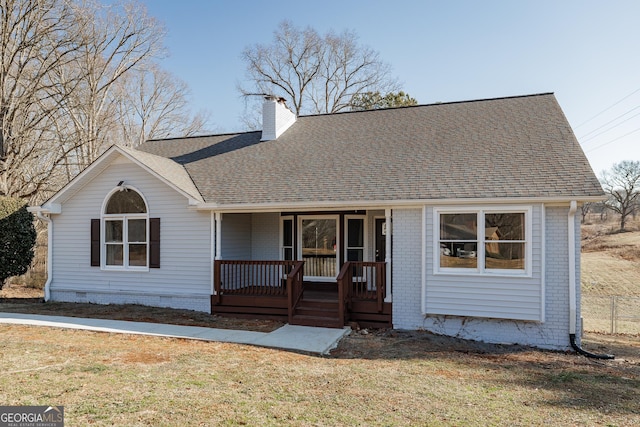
pixel 407 274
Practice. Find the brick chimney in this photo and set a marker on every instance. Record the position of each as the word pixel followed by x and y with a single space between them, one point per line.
pixel 276 118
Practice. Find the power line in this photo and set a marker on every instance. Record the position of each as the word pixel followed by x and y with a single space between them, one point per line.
pixel 613 140
pixel 607 109
pixel 611 128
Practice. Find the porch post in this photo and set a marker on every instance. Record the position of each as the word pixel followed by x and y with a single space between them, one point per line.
pixel 218 235
pixel 387 258
pixel 213 251
pixel 216 251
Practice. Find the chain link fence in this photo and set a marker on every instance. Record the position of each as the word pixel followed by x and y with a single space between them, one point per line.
pixel 611 314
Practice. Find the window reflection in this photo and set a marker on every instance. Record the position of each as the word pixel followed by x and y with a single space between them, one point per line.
pixel 319 246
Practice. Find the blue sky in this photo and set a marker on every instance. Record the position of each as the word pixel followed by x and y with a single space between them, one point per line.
pixel 586 52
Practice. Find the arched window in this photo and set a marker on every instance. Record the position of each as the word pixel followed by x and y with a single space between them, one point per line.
pixel 126 230
pixel 126 201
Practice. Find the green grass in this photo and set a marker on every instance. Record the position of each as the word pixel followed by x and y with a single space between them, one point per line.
pixel 421 379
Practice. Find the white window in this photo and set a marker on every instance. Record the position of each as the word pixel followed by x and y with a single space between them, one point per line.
pixel 125 239
pixel 286 242
pixel 483 241
pixel 355 238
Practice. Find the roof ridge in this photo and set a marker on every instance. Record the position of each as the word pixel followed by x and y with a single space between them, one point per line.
pixel 201 136
pixel 433 104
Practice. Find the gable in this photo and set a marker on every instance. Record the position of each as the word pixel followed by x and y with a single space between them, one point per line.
pixel 165 170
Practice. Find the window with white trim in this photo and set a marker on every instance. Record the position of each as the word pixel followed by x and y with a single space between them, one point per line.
pixel 355 248
pixel 286 244
pixel 126 231
pixel 483 241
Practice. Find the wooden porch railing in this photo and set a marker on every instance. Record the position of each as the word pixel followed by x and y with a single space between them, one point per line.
pixel 255 278
pixel 363 281
pixel 357 282
pixel 295 288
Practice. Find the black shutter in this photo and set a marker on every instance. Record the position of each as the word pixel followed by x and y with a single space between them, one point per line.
pixel 154 242
pixel 95 243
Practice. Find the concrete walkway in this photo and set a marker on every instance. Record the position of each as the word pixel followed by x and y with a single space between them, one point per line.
pixel 302 338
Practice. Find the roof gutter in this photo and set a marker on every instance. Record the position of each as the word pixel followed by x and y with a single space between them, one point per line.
pixel 572 286
pixel 376 204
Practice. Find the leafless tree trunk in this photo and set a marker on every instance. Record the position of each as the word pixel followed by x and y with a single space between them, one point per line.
pixel 314 73
pixel 154 104
pixel 59 62
pixel 71 85
pixel 584 211
pixel 347 71
pixel 622 184
pixel 115 39
pixel 34 40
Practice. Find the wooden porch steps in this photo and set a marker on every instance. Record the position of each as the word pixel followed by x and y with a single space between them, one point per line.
pixel 256 289
pixel 317 312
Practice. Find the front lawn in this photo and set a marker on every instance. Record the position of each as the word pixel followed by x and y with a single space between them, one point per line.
pixel 379 378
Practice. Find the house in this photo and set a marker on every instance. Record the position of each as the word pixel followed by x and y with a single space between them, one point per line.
pixel 457 218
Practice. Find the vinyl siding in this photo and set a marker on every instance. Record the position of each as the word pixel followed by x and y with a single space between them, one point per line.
pixel 185 236
pixel 493 296
pixel 236 236
pixel 265 236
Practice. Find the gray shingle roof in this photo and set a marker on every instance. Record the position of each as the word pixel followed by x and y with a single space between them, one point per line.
pixel 498 148
pixel 173 171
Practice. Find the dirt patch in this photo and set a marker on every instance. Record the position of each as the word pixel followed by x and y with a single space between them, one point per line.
pixel 16 299
pixel 20 292
pixel 365 344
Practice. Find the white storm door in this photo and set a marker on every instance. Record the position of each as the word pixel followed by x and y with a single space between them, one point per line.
pixel 319 246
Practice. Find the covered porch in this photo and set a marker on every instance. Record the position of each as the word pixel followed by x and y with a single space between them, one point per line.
pixel 307 268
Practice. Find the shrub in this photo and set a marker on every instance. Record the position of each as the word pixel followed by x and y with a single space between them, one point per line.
pixel 17 238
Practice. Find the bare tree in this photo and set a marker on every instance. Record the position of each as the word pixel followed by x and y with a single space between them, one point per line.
pixel 314 73
pixel 584 211
pixel 622 184
pixel 59 62
pixel 153 104
pixel 601 209
pixel 114 40
pixel 348 69
pixel 35 38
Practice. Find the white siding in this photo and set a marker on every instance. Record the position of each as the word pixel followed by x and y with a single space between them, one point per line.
pixel 265 236
pixel 184 245
pixel 236 236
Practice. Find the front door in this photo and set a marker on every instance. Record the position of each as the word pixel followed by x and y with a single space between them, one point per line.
pixel 319 246
pixel 381 239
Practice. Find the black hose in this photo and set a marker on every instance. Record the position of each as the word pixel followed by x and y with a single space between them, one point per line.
pixel 576 347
